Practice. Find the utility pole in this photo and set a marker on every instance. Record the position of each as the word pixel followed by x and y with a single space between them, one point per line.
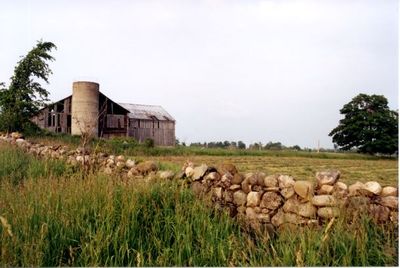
pixel 318 147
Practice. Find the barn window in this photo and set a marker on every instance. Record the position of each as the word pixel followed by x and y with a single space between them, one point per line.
pixel 58 120
pixel 158 124
pixel 49 119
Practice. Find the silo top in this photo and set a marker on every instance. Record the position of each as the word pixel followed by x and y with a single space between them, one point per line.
pixel 85 84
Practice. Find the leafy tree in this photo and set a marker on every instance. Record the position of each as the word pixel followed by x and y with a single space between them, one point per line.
pixel 23 98
pixel 241 145
pixel 273 146
pixel 368 126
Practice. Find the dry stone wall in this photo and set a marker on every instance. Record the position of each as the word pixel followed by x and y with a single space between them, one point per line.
pixel 274 200
pixel 277 200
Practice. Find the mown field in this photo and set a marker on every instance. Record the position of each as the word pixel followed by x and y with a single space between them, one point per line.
pixel 50 216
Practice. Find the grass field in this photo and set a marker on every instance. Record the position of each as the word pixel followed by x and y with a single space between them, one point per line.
pixel 50 216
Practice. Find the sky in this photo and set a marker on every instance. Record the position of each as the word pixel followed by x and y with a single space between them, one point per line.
pixel 255 71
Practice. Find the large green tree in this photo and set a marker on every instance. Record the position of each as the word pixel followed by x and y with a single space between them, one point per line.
pixel 25 95
pixel 368 126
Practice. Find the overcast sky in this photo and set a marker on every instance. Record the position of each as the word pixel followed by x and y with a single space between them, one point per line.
pixel 255 71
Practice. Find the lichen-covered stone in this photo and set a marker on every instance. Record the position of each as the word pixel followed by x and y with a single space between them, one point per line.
pixel 198 172
pixel 251 178
pixel 237 178
pixel 146 167
pixel 264 218
pixel 328 212
pixel 239 198
pixel 227 196
pixel 307 210
pixel 212 176
pixel 326 189
pixel 355 188
pixel 340 186
pixel 324 201
pixel 235 187
pixel 389 191
pixel 271 200
pixel 189 171
pixel 217 192
pixel 250 213
pixel 227 167
pixel 373 187
pixel 246 186
pixel 271 181
pixel 253 199
pixel 130 163
pixel 278 219
pixel 327 177
pixel 287 192
pixel 285 181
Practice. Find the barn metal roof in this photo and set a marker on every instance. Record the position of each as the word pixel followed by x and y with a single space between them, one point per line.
pixel 142 111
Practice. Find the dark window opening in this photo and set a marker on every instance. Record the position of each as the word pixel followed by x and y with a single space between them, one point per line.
pixel 69 120
pixel 49 119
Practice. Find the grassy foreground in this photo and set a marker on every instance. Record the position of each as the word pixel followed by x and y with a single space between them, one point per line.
pixel 51 217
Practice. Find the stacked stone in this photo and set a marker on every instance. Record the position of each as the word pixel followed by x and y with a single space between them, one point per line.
pixel 109 164
pixel 280 199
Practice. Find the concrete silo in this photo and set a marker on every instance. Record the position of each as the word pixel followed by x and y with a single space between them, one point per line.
pixel 85 108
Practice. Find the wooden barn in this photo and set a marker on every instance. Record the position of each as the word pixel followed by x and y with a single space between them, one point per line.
pixel 89 110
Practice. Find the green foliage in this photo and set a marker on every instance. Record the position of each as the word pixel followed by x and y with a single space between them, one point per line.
pixel 148 143
pixel 368 125
pixel 17 166
pixel 22 99
pixel 241 145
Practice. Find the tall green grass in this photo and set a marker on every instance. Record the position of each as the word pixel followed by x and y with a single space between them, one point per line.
pixel 104 221
pixel 16 165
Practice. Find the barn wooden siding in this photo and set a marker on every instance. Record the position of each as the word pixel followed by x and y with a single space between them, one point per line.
pixel 160 131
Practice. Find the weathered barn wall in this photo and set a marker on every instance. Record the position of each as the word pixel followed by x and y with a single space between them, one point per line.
pixel 55 117
pixel 162 132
